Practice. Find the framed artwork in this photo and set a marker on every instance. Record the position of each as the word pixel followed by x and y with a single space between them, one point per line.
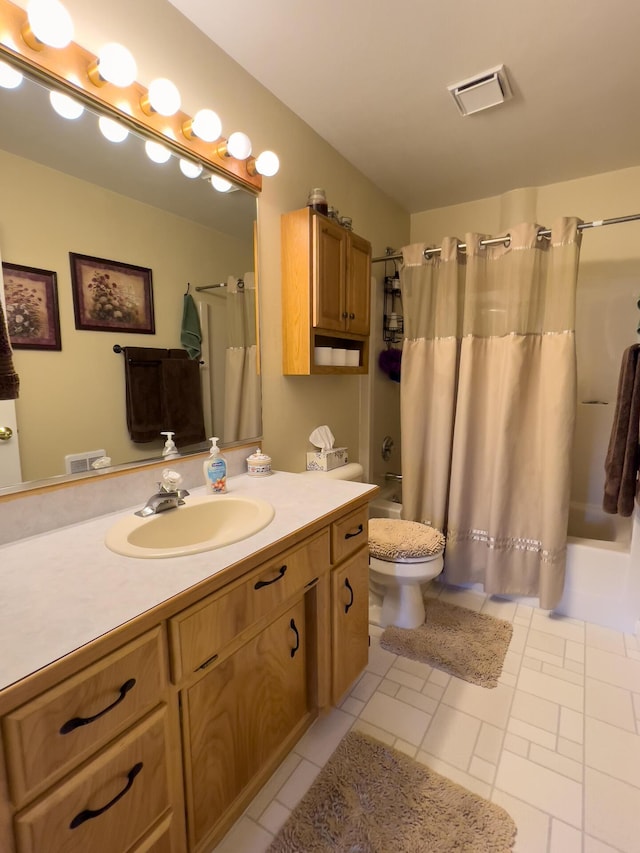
pixel 33 318
pixel 110 296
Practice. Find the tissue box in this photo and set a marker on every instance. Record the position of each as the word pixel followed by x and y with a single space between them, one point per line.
pixel 327 460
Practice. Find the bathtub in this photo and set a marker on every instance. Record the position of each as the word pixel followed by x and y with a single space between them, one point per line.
pixel 602 578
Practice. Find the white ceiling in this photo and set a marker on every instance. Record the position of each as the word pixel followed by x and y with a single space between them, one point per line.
pixel 371 77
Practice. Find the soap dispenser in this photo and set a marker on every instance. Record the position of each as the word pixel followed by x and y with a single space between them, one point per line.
pixel 169 448
pixel 215 470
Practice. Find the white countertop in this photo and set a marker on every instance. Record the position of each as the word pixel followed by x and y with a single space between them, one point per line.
pixel 63 589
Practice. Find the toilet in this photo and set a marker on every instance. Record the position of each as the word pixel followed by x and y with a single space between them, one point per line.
pixel 403 555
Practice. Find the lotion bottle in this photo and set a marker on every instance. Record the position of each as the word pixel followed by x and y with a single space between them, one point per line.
pixel 215 470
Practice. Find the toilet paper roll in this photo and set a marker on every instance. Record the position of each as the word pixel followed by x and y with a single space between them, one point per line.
pixel 353 357
pixel 322 355
pixel 339 356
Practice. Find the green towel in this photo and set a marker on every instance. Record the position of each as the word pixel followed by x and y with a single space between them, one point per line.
pixel 190 334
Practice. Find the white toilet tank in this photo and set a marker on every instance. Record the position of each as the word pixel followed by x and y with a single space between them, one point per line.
pixel 351 471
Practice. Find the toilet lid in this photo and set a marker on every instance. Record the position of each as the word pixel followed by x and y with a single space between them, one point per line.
pixel 396 539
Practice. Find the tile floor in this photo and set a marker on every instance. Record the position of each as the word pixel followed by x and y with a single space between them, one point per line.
pixel 557 743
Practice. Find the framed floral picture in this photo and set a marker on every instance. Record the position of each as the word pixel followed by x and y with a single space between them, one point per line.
pixel 111 296
pixel 31 296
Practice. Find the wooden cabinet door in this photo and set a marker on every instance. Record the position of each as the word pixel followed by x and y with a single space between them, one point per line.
pixel 349 622
pixel 358 288
pixel 329 274
pixel 236 717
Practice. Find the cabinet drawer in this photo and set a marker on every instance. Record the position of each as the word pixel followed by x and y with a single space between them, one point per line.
pixel 65 725
pixel 110 803
pixel 349 533
pixel 201 632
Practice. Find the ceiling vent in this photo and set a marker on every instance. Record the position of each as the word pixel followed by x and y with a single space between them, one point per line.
pixel 482 91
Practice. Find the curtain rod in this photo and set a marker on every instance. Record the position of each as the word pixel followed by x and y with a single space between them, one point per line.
pixel 210 286
pixel 495 241
pixel 221 284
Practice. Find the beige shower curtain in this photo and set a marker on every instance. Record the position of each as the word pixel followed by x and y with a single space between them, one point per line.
pixel 431 298
pixel 242 404
pixel 510 447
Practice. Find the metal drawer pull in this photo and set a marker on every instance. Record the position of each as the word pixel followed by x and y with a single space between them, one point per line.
pixel 260 584
pixel 76 722
pixel 88 814
pixel 357 533
pixel 349 587
pixel 292 625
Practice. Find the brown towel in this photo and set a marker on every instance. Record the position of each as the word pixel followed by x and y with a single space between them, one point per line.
pixel 182 398
pixel 623 455
pixel 163 392
pixel 143 393
pixel 9 381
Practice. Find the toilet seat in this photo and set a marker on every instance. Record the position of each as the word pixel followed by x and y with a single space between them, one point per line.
pixel 420 569
pixel 403 555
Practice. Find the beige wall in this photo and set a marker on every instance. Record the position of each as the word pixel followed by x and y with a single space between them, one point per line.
pixel 73 401
pixel 608 288
pixel 165 43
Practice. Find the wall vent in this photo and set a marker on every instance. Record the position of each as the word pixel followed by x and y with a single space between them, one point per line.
pixel 482 91
pixel 77 463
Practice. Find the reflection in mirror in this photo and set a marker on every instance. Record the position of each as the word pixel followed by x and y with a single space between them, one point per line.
pixel 66 189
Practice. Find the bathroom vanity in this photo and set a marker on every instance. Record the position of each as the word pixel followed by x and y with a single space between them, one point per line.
pixel 144 702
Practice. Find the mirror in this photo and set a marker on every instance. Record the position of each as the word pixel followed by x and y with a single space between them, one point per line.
pixel 66 189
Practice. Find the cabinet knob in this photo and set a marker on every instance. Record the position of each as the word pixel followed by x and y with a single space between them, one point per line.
pixel 352 316
pixel 344 315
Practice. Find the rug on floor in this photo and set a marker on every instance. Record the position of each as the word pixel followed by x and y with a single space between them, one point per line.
pixel 370 798
pixel 455 639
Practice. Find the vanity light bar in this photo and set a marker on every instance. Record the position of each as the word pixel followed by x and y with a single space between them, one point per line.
pixel 123 104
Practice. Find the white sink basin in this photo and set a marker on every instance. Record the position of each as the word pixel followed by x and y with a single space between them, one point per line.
pixel 202 524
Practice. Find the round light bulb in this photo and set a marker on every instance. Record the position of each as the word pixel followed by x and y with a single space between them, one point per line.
pixel 65 106
pixel 267 164
pixel 10 77
pixel 220 184
pixel 50 22
pixel 207 125
pixel 239 145
pixel 116 65
pixel 164 97
pixel 156 152
pixel 112 130
pixel 190 169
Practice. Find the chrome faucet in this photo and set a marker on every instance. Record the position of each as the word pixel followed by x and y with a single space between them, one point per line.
pixel 167 497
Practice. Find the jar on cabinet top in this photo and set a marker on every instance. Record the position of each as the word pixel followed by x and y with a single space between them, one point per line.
pixel 317 200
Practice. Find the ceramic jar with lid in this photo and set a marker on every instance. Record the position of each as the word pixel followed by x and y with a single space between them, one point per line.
pixel 258 464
